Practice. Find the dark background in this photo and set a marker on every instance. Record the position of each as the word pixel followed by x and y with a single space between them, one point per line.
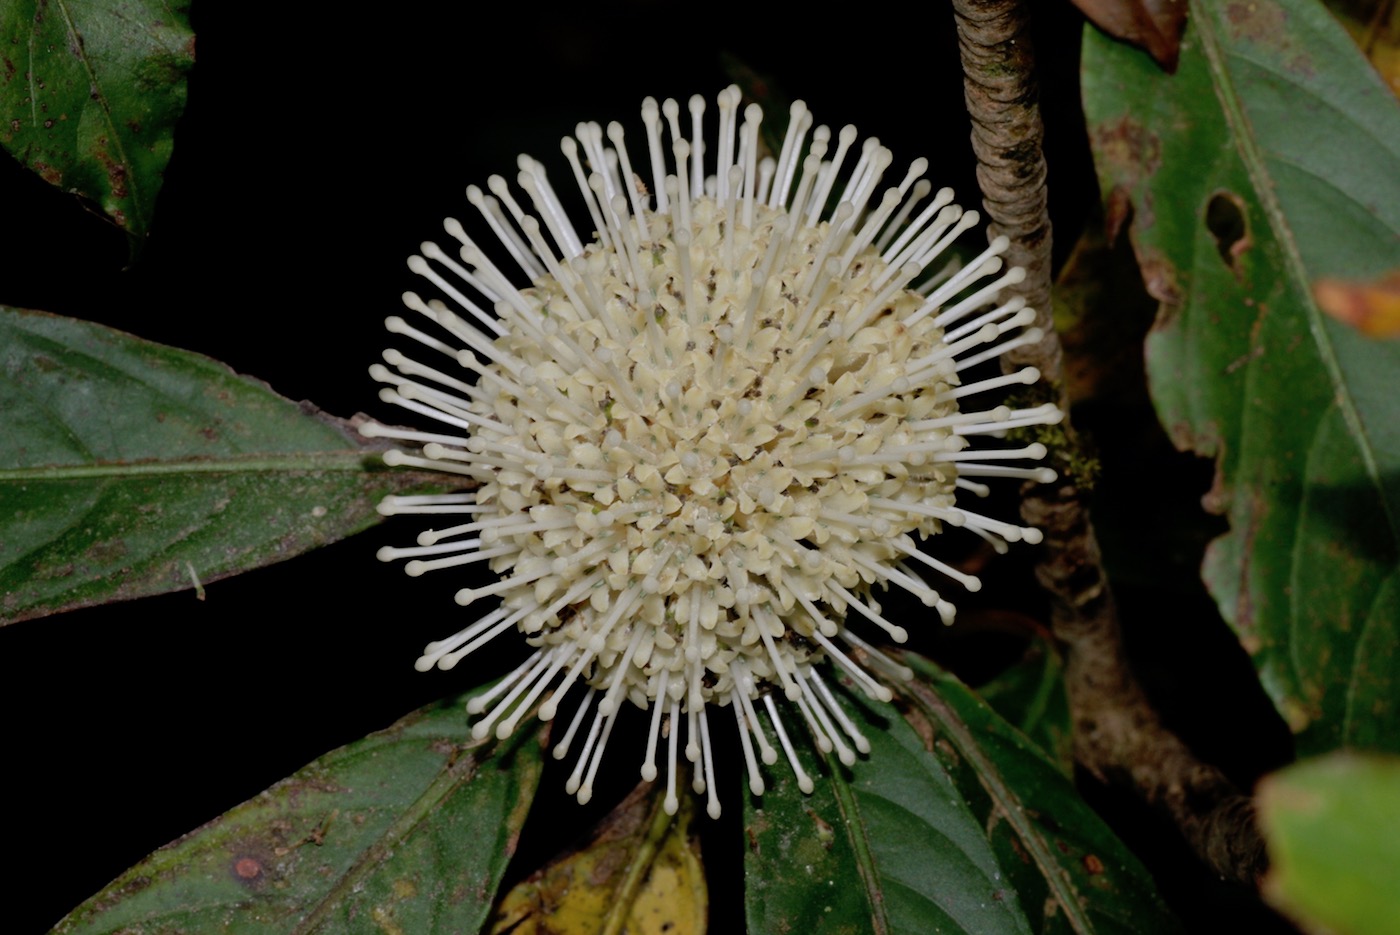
pixel 316 151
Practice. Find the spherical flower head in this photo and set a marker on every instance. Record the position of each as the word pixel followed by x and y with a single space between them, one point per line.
pixel 695 441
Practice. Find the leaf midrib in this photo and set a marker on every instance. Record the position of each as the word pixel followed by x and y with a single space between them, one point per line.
pixel 1012 812
pixel 865 858
pixel 113 137
pixel 349 459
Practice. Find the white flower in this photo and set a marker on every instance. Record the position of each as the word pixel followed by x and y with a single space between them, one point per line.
pixel 700 437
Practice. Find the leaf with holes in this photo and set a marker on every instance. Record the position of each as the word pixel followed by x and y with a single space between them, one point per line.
pixel 409 829
pixel 887 845
pixel 1269 162
pixel 129 468
pixel 89 95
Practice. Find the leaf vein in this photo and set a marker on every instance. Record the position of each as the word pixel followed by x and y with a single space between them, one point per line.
pixel 1251 155
pixel 54 418
pixel 1011 808
pixel 1354 675
pixel 453 776
pixel 860 843
pixel 1295 87
pixel 113 137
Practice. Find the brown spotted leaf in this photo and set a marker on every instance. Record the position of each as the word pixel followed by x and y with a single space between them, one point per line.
pixel 1269 162
pixel 89 94
pixel 129 468
pixel 407 830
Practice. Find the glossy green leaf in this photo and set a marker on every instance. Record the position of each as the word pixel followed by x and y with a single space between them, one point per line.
pixel 1269 161
pixel 89 94
pixel 1031 696
pixel 407 830
pixel 129 468
pixel 887 846
pixel 1067 868
pixel 1330 828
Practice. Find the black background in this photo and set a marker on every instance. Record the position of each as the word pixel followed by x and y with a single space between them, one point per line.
pixel 316 151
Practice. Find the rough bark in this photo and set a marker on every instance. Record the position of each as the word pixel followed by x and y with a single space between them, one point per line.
pixel 1002 97
pixel 1118 735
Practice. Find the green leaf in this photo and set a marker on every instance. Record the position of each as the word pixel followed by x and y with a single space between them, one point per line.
pixel 129 468
pixel 1330 828
pixel 1067 868
pixel 1269 161
pixel 89 94
pixel 407 830
pixel 1031 695
pixel 887 846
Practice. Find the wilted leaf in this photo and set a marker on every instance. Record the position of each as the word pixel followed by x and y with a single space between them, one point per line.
pixel 640 873
pixel 407 830
pixel 129 468
pixel 1155 25
pixel 1373 308
pixel 887 846
pixel 89 93
pixel 1330 828
pixel 1270 161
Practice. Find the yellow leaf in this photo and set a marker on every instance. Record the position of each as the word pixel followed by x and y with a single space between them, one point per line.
pixel 639 873
pixel 1373 308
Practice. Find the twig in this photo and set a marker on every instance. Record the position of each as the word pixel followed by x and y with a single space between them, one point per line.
pixel 1118 736
pixel 999 87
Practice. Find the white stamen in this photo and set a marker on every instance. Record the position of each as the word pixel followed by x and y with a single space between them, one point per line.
pixel 673 734
pixel 649 764
pixel 713 805
pixel 804 782
pixel 755 780
pixel 857 738
pixel 561 749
